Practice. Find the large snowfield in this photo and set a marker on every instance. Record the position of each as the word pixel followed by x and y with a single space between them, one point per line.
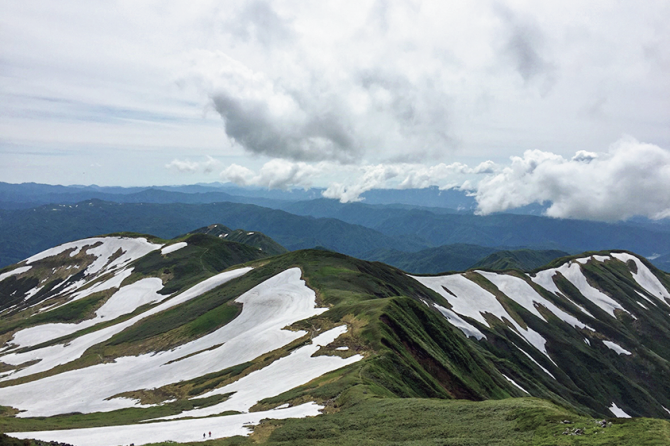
pixel 262 326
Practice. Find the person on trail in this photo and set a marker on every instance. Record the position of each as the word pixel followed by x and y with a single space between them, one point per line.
pixel 203 436
pixel 210 434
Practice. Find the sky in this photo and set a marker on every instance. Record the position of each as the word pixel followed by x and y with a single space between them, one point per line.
pixel 515 102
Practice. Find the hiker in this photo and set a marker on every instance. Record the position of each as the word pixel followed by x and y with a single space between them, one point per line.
pixel 203 436
pixel 210 434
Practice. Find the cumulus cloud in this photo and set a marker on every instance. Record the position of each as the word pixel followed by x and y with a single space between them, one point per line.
pixel 275 174
pixel 355 180
pixel 631 178
pixel 188 166
pixel 373 177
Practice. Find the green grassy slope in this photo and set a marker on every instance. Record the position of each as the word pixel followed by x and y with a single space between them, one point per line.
pixel 417 366
pixel 521 259
pixel 251 238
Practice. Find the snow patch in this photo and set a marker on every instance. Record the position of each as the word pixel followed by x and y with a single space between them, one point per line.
pixel 342 349
pixel 537 363
pixel 521 292
pixel 645 278
pixel 178 431
pixel 460 323
pixel 14 272
pixel 473 301
pixel 291 371
pixel 132 248
pixel 573 273
pixel 515 384
pixel 619 413
pixel 616 347
pixel 61 354
pixel 259 328
pixel 174 247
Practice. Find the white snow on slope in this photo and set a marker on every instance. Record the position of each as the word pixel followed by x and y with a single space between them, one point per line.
pixel 124 301
pixel 645 278
pixel 267 309
pixel 61 354
pixel 291 371
pixel 618 412
pixel 597 258
pixel 14 272
pixel 514 383
pixel 616 347
pixel 114 282
pixel 132 248
pixel 572 272
pixel 473 301
pixel 173 248
pixel 460 323
pixel 180 431
pixel 537 363
pixel 521 292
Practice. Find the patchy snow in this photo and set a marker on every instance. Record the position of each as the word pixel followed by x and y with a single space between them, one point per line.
pixel 521 292
pixel 284 374
pixel 342 349
pixel 250 233
pixel 597 258
pixel 61 354
pixel 460 323
pixel 132 248
pixel 587 342
pixel 124 301
pixel 645 278
pixel 33 292
pixel 267 309
pixel 131 297
pixel 668 411
pixel 14 272
pixel 537 363
pixel 647 298
pixel 619 413
pixel 473 301
pixel 174 247
pixel 515 384
pixel 114 282
pixel 178 431
pixel 573 273
pixel 616 347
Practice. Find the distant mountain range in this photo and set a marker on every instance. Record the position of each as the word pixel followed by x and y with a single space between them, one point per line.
pixel 383 232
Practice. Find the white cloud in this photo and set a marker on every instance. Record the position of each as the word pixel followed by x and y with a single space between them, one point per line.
pixel 631 178
pixel 275 174
pixel 187 166
pixel 366 83
pixel 353 180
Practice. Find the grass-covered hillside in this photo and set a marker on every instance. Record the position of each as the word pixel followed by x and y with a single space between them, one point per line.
pixel 197 334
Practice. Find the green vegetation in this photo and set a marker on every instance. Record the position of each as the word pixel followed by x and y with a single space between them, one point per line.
pixel 429 422
pixel 521 259
pixel 251 238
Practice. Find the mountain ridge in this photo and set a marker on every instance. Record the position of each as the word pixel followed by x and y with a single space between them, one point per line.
pixel 590 333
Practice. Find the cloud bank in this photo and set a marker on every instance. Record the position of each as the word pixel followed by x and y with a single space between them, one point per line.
pixel 631 178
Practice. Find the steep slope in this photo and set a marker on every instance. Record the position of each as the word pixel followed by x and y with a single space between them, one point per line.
pixel 593 331
pixel 207 348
